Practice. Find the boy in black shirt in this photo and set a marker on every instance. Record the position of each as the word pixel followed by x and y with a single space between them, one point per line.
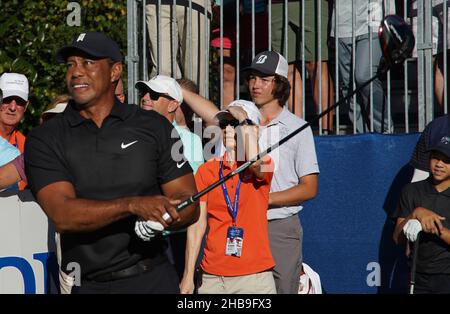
pixel 424 206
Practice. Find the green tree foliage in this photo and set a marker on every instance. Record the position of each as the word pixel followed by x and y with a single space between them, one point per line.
pixel 32 31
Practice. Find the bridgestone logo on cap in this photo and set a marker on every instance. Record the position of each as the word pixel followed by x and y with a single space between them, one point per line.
pixel 81 37
pixel 261 59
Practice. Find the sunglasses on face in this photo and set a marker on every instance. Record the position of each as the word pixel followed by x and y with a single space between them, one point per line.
pixel 224 123
pixel 19 101
pixel 155 95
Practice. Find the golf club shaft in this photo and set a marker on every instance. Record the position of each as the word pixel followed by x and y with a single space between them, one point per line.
pixel 414 265
pixel 247 164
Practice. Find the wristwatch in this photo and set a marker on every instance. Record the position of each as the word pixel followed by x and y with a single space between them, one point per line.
pixel 246 122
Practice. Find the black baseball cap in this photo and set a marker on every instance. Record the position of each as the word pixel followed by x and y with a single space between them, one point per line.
pixel 95 44
pixel 269 63
pixel 442 146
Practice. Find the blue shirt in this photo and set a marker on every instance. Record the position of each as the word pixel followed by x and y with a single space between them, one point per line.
pixel 7 151
pixel 192 146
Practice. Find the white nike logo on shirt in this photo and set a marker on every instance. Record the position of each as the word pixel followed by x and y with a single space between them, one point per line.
pixel 181 165
pixel 123 146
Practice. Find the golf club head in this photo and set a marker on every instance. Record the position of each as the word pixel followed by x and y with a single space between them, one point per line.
pixel 396 40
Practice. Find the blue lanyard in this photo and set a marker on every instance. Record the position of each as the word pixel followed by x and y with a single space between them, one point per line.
pixel 233 210
pixel 17 143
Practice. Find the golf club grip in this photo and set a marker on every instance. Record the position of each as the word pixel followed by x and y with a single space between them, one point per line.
pixel 244 166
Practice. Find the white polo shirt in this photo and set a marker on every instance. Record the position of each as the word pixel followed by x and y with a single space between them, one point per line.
pixel 293 160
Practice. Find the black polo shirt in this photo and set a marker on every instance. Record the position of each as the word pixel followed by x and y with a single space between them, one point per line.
pixel 130 155
pixel 434 254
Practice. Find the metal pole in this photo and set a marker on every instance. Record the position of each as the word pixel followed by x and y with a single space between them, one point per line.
pixel 405 69
pixel 206 42
pixel 369 26
pixel 132 58
pixel 269 24
pixel 158 36
pixel 387 115
pixel 190 74
pixel 238 44
pixel 336 62
pixel 444 49
pixel 221 56
pixel 319 71
pixel 303 62
pixel 429 63
pixel 353 65
pixel 174 50
pixel 144 44
pixel 253 29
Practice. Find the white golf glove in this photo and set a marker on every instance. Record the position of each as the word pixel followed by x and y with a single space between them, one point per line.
pixel 411 229
pixel 147 230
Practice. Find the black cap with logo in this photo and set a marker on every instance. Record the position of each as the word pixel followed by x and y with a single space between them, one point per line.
pixel 269 63
pixel 95 44
pixel 442 146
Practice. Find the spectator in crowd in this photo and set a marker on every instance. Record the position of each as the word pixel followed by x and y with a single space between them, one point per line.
pixel 295 179
pixel 245 43
pixel 315 60
pixel 15 90
pixel 56 106
pixel 14 171
pixel 8 173
pixel 237 257
pixel 118 158
pixel 184 116
pixel 365 15
pixel 187 35
pixel 228 45
pixel 193 148
pixel 163 94
pixel 439 46
pixel 120 94
pixel 423 208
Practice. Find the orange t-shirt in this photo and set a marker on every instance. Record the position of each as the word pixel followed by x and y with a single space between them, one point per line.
pixel 17 139
pixel 252 217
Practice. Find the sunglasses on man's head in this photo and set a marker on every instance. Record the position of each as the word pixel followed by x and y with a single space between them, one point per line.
pixel 224 123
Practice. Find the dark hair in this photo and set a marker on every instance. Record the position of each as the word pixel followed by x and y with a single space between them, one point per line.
pixel 281 90
pixel 187 111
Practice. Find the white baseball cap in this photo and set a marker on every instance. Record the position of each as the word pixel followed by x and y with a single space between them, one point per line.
pixel 164 85
pixel 14 84
pixel 249 107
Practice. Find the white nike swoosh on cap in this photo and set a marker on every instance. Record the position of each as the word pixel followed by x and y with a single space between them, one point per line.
pixel 123 146
pixel 181 165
